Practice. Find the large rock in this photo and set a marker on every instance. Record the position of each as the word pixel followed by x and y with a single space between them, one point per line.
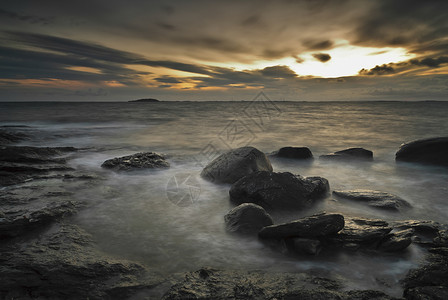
pixel 349 154
pixel 278 190
pixel 375 199
pixel 359 232
pixel 247 218
pixel 294 152
pixel 429 151
pixel 429 281
pixel 235 164
pixel 138 161
pixel 309 227
pixel 397 241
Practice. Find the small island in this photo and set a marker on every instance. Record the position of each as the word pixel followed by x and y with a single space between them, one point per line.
pixel 145 100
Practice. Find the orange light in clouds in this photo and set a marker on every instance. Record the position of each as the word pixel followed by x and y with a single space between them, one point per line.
pixel 47 83
pixel 85 69
pixel 113 83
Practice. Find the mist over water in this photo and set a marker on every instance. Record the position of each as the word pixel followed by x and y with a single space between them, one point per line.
pixel 135 215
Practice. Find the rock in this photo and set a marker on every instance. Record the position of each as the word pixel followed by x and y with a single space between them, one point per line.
pixel 375 199
pixel 294 152
pixel 306 246
pixel 361 232
pixel 397 241
pixel 247 218
pixel 349 154
pixel 427 292
pixel 442 239
pixel 19 221
pixel 313 226
pixel 208 283
pixel 138 161
pixel 7 137
pixel 278 190
pixel 235 164
pixel 432 151
pixel 424 231
pixel 428 278
pixel 63 263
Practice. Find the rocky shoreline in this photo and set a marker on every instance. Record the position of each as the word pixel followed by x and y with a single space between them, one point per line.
pixel 45 256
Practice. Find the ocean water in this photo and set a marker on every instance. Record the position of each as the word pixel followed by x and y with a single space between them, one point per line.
pixel 172 220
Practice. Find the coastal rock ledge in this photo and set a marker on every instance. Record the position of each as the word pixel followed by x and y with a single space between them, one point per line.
pixel 236 163
pixel 280 191
pixel 138 161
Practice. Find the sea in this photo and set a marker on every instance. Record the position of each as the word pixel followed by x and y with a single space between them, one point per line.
pixel 172 220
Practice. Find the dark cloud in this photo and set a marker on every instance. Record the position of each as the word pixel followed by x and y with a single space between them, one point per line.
pixel 251 21
pixel 167 79
pixel 378 70
pixel 430 61
pixel 26 18
pixel 166 26
pixel 278 72
pixel 322 57
pixel 318 45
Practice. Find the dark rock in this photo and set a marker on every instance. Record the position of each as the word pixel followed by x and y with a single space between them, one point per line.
pixel 138 161
pixel 7 137
pixel 424 231
pixel 235 164
pixel 306 246
pixel 209 283
pixel 427 293
pixel 278 190
pixel 433 274
pixel 294 152
pixel 375 199
pixel 362 232
pixel 247 218
pixel 429 151
pixel 397 241
pixel 24 220
pixel 313 226
pixel 442 239
pixel 64 264
pixel 350 154
pixel 25 154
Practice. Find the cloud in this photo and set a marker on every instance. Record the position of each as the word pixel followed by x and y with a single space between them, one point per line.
pixel 278 72
pixel 318 45
pixel 322 57
pixel 26 18
pixel 431 62
pixel 378 70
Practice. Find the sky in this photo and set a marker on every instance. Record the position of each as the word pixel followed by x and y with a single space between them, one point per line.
pixel 304 50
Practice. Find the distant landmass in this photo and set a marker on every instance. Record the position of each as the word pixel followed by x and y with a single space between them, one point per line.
pixel 145 100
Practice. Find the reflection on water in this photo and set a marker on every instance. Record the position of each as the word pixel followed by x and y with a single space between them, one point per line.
pixel 131 215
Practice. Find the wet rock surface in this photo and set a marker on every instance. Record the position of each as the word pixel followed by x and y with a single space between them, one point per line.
pixel 9 137
pixel 62 263
pixel 313 226
pixel 138 161
pixel 376 199
pixel 278 190
pixel 294 153
pixel 247 218
pixel 432 151
pixel 208 283
pixel 235 164
pixel 349 154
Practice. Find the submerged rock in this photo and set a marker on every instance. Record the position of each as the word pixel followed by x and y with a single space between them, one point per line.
pixel 309 227
pixel 432 151
pixel 278 190
pixel 294 152
pixel 375 199
pixel 235 164
pixel 306 246
pixel 247 218
pixel 349 154
pixel 138 161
